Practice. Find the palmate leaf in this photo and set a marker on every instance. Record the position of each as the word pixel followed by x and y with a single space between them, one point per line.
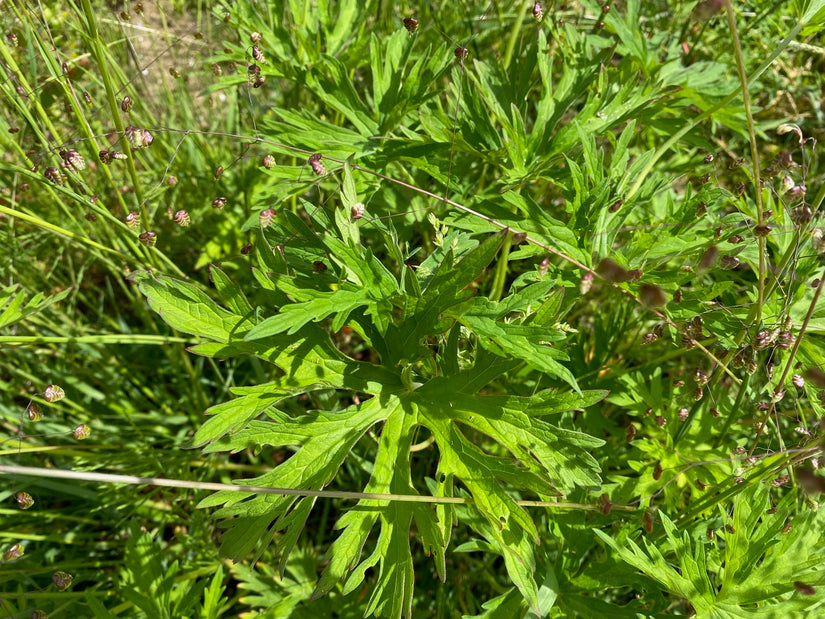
pixel 762 560
pixel 489 447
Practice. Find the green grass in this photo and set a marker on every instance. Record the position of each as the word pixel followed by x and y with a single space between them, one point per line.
pixel 503 334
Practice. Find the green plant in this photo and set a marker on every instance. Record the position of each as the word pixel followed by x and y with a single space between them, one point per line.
pixel 535 299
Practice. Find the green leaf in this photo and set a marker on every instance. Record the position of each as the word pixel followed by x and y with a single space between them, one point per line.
pixel 14 310
pixel 186 308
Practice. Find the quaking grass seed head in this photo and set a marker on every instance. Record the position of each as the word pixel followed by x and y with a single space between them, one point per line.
pixel 24 500
pixel 62 580
pixel 54 393
pixel 315 163
pixel 148 238
pixel 14 552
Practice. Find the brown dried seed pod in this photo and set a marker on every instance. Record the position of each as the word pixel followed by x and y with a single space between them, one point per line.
pixel 259 82
pixel 648 521
pixel 762 230
pixel 729 262
pixel 611 271
pixel 604 504
pixel 631 433
pixel 411 24
pixel 803 588
pixel 652 295
pixel 246 249
pixel 218 172
pixel 126 103
pixel 816 376
pixel 174 72
pixel 708 258
pixel 87 98
pixel 677 296
pixel 615 206
pixel 461 52
pixel 801 215
pixel 657 472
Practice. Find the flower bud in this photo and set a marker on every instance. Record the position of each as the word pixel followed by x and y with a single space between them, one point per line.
pixel 729 262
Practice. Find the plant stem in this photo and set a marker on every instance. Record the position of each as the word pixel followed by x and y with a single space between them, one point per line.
pixel 97 51
pixel 746 98
pixel 328 494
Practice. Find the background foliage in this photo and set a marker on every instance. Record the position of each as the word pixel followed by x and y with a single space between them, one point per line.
pixel 502 273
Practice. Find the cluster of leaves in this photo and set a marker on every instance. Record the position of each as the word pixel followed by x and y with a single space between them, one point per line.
pixel 525 269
